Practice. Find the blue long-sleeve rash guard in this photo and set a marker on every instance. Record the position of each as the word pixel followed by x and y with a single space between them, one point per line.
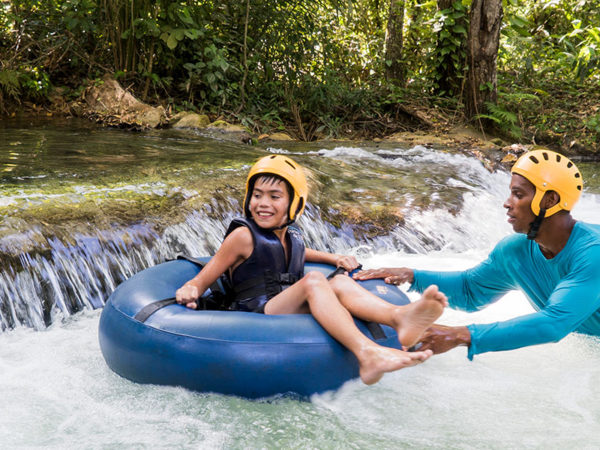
pixel 564 290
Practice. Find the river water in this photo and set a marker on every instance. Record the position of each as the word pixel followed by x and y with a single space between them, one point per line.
pixel 84 208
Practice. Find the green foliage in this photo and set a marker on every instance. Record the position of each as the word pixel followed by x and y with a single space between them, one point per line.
pixel 27 83
pixel 10 84
pixel 585 59
pixel 550 39
pixel 504 119
pixel 35 82
pixel 507 113
pixel 207 76
pixel 449 60
pixel 313 66
pixel 78 16
pixel 593 124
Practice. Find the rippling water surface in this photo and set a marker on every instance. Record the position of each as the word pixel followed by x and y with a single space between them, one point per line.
pixel 57 392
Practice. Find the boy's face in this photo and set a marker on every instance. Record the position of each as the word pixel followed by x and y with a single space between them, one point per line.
pixel 269 203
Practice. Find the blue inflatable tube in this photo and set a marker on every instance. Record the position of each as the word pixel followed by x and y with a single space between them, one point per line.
pixel 230 352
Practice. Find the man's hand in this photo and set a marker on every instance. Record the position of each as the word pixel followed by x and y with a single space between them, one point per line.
pixel 390 275
pixel 440 338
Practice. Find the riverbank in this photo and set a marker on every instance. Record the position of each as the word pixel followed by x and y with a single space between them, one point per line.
pixel 66 175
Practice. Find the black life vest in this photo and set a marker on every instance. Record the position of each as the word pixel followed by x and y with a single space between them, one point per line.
pixel 266 272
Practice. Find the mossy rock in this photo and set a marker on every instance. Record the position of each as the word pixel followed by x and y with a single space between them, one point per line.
pixel 227 127
pixel 190 120
pixel 280 137
pixel 367 221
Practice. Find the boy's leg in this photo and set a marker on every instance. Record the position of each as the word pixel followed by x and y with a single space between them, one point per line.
pixel 410 321
pixel 314 290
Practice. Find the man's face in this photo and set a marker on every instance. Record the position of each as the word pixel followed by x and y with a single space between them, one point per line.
pixel 518 204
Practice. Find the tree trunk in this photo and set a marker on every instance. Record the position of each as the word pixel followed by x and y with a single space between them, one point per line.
pixel 483 42
pixel 394 67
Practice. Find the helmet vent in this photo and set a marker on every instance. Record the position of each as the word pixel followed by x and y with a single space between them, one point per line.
pixel 290 164
pixel 548 170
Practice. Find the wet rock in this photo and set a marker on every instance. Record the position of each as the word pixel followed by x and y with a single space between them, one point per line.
pixel 226 127
pixel 516 149
pixel 573 146
pixel 247 138
pixel 108 102
pixel 220 129
pixel 279 137
pixel 509 159
pixel 366 220
pixel 189 120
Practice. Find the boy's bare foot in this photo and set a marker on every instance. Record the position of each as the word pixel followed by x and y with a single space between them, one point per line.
pixel 375 360
pixel 413 319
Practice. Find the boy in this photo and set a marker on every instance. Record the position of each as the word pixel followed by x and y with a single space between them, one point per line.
pixel 265 263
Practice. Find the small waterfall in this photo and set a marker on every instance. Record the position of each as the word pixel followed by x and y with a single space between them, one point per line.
pixel 448 201
pixel 38 288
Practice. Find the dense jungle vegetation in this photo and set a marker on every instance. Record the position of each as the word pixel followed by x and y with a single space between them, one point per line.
pixel 337 68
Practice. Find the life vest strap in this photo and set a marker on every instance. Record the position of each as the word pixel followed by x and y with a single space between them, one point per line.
pixel 269 284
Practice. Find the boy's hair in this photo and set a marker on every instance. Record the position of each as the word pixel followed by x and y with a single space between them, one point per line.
pixel 271 178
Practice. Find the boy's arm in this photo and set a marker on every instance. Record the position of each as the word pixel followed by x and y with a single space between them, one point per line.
pixel 346 262
pixel 234 250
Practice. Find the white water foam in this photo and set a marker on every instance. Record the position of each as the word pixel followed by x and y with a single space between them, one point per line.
pixel 57 392
pixel 60 393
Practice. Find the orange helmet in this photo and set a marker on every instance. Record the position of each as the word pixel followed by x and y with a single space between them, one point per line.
pixel 550 171
pixel 287 169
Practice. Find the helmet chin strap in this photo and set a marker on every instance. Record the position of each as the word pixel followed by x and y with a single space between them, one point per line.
pixel 288 223
pixel 534 226
pixel 281 227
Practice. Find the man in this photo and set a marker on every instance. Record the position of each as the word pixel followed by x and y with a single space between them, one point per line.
pixel 554 260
